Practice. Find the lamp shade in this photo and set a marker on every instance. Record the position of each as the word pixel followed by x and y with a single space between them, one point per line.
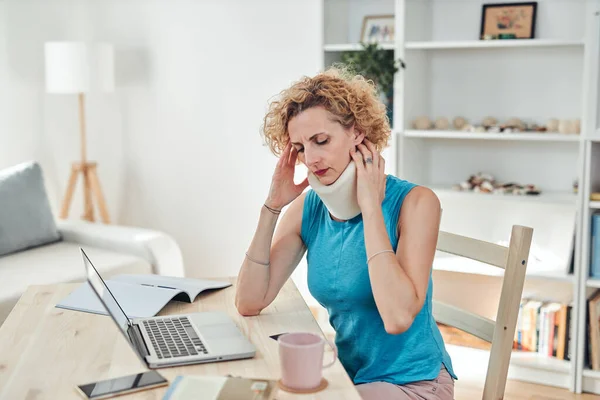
pixel 75 67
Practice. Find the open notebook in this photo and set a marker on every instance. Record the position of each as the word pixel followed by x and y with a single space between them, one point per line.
pixel 140 295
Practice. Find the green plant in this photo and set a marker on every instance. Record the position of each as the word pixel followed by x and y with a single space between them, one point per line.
pixel 374 63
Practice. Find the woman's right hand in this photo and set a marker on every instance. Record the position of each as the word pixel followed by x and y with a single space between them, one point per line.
pixel 283 189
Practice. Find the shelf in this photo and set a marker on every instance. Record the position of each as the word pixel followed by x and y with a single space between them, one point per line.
pixel 593 282
pixel 591 381
pixel 595 204
pixel 591 373
pixel 540 361
pixel 523 136
pixel 353 47
pixel 595 137
pixel 467 44
pixel 477 44
pixel 451 263
pixel 548 197
pixel 471 364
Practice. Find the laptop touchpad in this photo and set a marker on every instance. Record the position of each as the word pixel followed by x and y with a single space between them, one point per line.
pixel 220 331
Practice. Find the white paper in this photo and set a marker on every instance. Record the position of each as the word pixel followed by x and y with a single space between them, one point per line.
pixel 135 300
pixel 192 287
pixel 140 296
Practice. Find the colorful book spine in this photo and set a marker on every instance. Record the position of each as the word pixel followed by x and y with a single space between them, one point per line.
pixel 595 247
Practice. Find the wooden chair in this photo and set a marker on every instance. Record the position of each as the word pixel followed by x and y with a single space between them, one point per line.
pixel 513 259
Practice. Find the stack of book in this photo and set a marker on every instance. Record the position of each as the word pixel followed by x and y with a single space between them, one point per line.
pixel 544 327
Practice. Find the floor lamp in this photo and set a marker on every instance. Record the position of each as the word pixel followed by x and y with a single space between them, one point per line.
pixel 78 68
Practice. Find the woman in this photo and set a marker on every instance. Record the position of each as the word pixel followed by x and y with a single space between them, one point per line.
pixel 370 238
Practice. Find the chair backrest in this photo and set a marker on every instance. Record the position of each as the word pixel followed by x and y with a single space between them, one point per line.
pixel 500 333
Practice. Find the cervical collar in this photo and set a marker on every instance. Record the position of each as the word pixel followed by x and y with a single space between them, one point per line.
pixel 339 197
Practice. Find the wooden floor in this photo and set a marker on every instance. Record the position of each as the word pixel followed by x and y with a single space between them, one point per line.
pixel 466 389
pixel 472 389
pixel 516 390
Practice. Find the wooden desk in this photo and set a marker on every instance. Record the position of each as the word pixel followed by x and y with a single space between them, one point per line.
pixel 46 351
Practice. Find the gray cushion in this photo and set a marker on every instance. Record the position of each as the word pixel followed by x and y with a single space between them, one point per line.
pixel 26 219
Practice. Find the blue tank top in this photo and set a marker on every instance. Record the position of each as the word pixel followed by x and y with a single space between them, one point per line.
pixel 338 278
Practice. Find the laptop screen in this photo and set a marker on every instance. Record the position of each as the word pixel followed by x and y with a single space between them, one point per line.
pixel 107 299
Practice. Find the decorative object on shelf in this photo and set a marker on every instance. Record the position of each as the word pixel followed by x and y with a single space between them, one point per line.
pixel 508 21
pixel 564 126
pixel 489 121
pixel 422 123
pixel 552 125
pixel 486 183
pixel 490 124
pixel 377 29
pixel 575 186
pixel 375 63
pixel 577 126
pixel 500 36
pixel 514 125
pixel 567 126
pixel 78 68
pixel 595 196
pixel 459 122
pixel 442 123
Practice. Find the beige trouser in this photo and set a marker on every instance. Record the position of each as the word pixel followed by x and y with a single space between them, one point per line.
pixel 441 388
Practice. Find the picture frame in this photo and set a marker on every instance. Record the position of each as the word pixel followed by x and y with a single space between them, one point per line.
pixel 508 20
pixel 378 29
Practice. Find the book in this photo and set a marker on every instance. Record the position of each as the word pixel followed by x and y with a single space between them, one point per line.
pixel 594 330
pixel 140 295
pixel 192 387
pixel 595 247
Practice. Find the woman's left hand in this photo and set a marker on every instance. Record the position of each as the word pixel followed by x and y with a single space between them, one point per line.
pixel 370 170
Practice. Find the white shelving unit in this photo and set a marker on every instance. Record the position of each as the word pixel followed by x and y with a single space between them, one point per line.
pixel 450 73
pixel 479 44
pixel 450 134
pixel 588 380
pixel 351 47
pixel 554 197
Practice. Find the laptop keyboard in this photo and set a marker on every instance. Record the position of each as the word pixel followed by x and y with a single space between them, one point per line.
pixel 174 337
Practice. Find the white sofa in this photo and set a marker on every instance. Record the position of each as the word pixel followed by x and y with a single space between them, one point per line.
pixel 112 249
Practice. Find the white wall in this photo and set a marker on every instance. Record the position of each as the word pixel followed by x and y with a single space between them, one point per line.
pixel 178 143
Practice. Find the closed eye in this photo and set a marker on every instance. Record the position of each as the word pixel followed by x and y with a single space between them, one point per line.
pixel 320 143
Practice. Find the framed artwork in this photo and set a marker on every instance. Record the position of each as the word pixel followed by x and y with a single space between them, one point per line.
pixel 508 20
pixel 377 29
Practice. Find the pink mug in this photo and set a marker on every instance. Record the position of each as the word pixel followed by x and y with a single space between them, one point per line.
pixel 301 358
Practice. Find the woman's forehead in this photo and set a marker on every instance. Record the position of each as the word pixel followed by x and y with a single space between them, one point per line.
pixel 307 124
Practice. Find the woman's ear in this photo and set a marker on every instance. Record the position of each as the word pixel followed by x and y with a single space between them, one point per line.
pixel 358 137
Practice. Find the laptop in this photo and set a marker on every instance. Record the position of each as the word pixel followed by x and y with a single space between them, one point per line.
pixel 173 340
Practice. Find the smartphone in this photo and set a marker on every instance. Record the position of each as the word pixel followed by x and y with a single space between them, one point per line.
pixel 122 385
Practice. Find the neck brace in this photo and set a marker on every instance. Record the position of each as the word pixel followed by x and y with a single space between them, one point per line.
pixel 339 197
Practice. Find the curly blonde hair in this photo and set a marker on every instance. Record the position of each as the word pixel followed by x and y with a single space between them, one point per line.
pixel 350 98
